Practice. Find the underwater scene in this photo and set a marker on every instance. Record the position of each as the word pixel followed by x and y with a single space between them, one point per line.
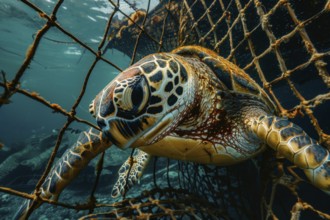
pixel 189 109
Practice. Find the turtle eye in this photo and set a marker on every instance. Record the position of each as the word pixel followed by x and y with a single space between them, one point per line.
pixel 140 95
pixel 134 97
pixel 126 99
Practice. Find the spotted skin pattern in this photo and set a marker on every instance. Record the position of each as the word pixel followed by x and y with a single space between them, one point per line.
pixel 190 105
pixel 89 144
pixel 130 172
pixel 294 144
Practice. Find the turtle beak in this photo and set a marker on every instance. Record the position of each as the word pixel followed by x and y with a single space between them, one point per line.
pixel 156 132
pixel 136 133
pixel 127 133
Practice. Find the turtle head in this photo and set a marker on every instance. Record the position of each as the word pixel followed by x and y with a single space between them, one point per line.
pixel 145 102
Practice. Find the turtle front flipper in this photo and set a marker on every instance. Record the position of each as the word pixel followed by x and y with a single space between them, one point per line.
pixel 293 143
pixel 130 172
pixel 88 145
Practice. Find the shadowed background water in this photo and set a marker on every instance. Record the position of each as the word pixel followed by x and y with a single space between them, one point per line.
pixel 59 66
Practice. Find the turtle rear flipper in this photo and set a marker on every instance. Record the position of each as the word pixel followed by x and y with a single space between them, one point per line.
pixel 130 172
pixel 88 145
pixel 290 141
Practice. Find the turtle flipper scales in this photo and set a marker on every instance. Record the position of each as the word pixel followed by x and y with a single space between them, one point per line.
pixel 290 141
pixel 130 172
pixel 88 145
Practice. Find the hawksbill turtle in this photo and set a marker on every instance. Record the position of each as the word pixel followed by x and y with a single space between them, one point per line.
pixel 191 105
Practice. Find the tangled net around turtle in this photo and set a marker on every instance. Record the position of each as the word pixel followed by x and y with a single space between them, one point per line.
pixel 284 45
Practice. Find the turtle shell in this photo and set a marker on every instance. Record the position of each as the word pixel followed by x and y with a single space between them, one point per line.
pixel 233 77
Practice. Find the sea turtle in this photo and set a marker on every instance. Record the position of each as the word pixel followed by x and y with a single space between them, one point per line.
pixel 191 105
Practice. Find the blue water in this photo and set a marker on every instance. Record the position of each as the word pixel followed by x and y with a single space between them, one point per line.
pixel 57 73
pixel 58 69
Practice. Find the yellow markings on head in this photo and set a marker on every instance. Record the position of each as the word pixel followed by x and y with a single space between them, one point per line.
pixel 156 85
pixel 156 130
pixel 115 132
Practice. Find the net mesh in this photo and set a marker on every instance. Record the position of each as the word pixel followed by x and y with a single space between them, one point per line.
pixel 284 45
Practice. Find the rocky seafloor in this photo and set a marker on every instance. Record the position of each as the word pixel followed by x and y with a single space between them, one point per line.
pixel 22 164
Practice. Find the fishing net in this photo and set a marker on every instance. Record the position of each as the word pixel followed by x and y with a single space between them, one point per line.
pixel 284 45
